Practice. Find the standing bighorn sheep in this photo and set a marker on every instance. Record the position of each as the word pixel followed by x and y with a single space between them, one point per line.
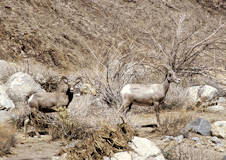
pixel 50 101
pixel 147 94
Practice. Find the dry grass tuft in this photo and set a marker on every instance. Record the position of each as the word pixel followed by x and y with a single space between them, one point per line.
pixel 176 97
pixel 7 138
pixel 186 151
pixel 173 123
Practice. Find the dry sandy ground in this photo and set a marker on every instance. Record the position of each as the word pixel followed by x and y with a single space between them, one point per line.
pixel 33 148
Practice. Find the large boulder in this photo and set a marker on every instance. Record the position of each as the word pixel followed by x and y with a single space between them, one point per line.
pixel 5 101
pixel 204 94
pixel 218 129
pixel 144 149
pixel 192 94
pixel 20 85
pixel 207 93
pixel 5 117
pixel 200 126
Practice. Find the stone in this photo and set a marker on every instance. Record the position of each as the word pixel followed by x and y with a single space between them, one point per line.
pixel 196 139
pixel 215 140
pixel 20 85
pixel 144 149
pixel 5 102
pixel 200 126
pixel 6 117
pixel 216 108
pixel 72 144
pixel 199 95
pixel 179 138
pixel 219 129
pixel 221 101
pixel 192 94
pixel 207 93
pixel 62 157
pixel 167 138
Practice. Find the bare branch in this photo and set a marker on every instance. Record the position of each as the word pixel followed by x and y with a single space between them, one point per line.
pixel 159 46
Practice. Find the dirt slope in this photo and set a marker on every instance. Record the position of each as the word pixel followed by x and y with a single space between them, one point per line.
pixel 76 33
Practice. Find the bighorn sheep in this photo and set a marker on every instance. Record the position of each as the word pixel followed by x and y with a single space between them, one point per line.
pixel 50 101
pixel 147 94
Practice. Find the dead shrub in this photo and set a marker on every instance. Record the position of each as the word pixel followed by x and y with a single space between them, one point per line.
pixel 173 123
pixel 104 142
pixel 91 111
pixel 7 138
pixel 59 125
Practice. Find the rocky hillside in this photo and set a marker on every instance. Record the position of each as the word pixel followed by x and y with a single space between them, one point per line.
pixel 77 34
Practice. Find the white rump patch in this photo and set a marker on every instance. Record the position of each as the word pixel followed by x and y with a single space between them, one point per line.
pixel 29 100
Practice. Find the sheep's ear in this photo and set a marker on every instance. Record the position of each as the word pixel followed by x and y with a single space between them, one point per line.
pixel 78 80
pixel 64 79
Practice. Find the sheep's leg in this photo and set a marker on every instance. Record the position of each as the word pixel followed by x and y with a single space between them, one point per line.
pixel 156 106
pixel 35 128
pixel 25 127
pixel 33 116
pixel 128 108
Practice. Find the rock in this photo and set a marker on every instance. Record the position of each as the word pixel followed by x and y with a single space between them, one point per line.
pixel 179 138
pixel 207 93
pixel 215 140
pixel 192 94
pixel 167 138
pixel 219 129
pixel 62 157
pixel 221 101
pixel 216 108
pixel 199 125
pixel 144 149
pixel 219 149
pixel 5 117
pixel 122 156
pixel 20 85
pixel 200 94
pixel 224 158
pixel 196 139
pixel 5 102
pixel 72 144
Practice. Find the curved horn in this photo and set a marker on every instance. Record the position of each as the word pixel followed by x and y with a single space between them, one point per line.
pixel 64 78
pixel 78 79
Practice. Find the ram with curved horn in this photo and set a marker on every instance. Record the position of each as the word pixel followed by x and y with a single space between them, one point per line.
pixel 147 94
